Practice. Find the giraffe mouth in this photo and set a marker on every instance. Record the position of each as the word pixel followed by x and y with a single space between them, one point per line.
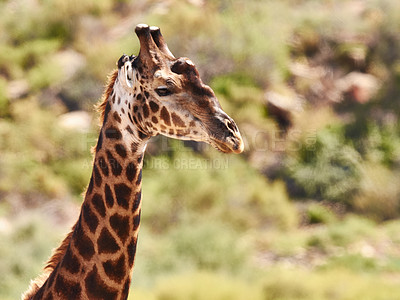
pixel 231 145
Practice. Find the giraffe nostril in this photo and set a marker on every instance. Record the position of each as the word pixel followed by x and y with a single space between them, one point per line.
pixel 231 126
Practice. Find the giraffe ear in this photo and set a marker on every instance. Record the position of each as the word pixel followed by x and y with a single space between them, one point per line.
pixel 122 60
pixel 129 74
pixel 125 67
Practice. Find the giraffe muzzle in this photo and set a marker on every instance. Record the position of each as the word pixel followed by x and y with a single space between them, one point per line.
pixel 226 137
pixel 229 146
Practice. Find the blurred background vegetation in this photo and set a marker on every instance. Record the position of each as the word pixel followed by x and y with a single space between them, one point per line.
pixel 309 211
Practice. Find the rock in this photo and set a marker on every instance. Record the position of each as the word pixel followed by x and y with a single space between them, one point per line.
pixel 360 86
pixel 76 120
pixel 17 89
pixel 70 61
pixel 282 107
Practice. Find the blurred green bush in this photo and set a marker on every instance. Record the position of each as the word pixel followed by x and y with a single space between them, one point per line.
pixel 40 157
pixel 25 247
pixel 328 169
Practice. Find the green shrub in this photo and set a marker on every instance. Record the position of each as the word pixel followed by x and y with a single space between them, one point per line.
pixel 327 170
pixel 317 214
pixel 44 74
pixel 354 262
pixel 341 234
pixel 274 284
pixel 382 144
pixel 287 285
pixel 208 245
pixel 379 195
pixel 212 185
pixel 27 246
pixel 4 103
pixel 242 97
pixel 205 286
pixel 332 284
pixel 43 155
pixel 247 36
pixel 204 245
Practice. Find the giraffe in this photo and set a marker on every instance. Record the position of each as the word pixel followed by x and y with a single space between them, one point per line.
pixel 149 94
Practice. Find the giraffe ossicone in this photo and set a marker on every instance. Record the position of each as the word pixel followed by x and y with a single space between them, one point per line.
pixel 149 94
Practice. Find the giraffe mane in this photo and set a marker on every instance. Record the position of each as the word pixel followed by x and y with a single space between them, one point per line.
pixel 101 106
pixel 54 260
pixel 59 252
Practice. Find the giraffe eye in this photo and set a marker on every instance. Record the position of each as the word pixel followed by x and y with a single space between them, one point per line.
pixel 163 91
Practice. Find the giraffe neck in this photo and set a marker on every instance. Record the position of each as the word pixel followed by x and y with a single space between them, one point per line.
pixel 98 259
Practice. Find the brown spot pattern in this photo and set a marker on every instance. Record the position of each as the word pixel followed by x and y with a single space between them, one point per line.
pixel 106 242
pixel 125 292
pixel 109 196
pixel 117 117
pixel 97 176
pixel 99 142
pixel 130 171
pixel 120 149
pixel 90 218
pixel 120 225
pixel 129 128
pixel 164 115
pixel 71 262
pixel 131 252
pixel 136 220
pixel 139 179
pixel 154 106
pixel 115 269
pixel 115 166
pixel 98 204
pixel 96 288
pixel 145 110
pixel 122 193
pixel 83 243
pixel 103 166
pixel 67 289
pixel 177 120
pixel 136 201
pixel 106 112
pixel 90 187
pixel 113 133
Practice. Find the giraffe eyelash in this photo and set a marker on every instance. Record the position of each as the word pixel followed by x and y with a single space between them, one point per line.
pixel 163 91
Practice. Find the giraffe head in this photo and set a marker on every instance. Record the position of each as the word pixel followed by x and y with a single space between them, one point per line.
pixel 169 98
